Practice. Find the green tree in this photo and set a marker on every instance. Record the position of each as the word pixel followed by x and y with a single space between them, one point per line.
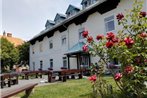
pixel 9 54
pixel 24 52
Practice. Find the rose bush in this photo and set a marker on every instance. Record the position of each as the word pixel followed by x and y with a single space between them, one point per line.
pixel 129 46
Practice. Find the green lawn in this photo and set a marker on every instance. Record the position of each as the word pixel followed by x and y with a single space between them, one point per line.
pixel 80 88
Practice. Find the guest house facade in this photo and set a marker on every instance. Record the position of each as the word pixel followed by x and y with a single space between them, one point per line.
pixel 60 43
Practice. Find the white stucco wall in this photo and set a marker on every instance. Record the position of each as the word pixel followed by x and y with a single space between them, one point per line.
pixel 94 24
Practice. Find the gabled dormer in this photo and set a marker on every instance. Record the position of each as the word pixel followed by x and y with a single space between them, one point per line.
pixel 86 3
pixel 49 24
pixel 72 10
pixel 59 18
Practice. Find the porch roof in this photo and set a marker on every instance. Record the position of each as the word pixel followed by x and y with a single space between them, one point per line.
pixel 77 48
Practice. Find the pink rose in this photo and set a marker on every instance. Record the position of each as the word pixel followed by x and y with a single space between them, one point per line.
pixel 92 78
pixel 118 76
pixel 89 39
pixel 109 44
pixel 129 42
pixel 110 36
pixel 85 48
pixel 119 16
pixel 129 69
pixel 99 37
pixel 85 34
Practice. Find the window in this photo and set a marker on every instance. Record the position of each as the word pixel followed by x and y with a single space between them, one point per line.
pixel 80 33
pixel 109 23
pixel 33 65
pixel 41 64
pixel 41 47
pixel 84 61
pixel 51 63
pixel 64 62
pixel 33 50
pixel 50 44
pixel 63 40
pixel 94 1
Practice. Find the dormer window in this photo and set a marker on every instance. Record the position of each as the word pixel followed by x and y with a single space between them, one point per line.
pixel 59 18
pixel 49 24
pixel 86 3
pixel 72 10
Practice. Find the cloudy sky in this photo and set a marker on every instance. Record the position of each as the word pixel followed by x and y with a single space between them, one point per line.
pixel 26 18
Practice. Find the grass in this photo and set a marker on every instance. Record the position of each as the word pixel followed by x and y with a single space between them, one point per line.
pixel 70 89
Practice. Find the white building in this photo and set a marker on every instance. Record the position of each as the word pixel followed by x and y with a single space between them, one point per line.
pixel 60 44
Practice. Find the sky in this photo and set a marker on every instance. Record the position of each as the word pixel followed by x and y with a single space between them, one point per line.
pixel 26 18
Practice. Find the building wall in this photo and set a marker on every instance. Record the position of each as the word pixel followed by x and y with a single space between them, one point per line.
pixel 94 24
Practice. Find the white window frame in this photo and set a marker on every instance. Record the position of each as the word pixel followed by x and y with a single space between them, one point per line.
pixel 51 63
pixel 64 62
pixel 107 21
pixel 63 40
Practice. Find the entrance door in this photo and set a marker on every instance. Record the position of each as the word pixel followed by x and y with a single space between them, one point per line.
pixel 84 61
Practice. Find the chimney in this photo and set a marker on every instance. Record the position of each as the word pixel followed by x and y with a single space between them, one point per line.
pixel 4 33
pixel 9 34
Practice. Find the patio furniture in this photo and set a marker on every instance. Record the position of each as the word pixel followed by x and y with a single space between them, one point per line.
pixel 11 92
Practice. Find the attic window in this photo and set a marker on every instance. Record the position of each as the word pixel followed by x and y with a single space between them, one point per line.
pixel 88 3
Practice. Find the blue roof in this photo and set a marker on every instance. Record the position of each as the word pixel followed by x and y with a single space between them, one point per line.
pixel 76 48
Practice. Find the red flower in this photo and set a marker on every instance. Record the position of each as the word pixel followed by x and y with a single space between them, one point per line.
pixel 85 48
pixel 142 14
pixel 109 44
pixel 110 36
pixel 129 69
pixel 143 35
pixel 118 76
pixel 90 39
pixel 119 16
pixel 99 37
pixel 115 40
pixel 85 34
pixel 92 78
pixel 129 42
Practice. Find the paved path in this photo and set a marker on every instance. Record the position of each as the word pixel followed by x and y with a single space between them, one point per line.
pixel 41 81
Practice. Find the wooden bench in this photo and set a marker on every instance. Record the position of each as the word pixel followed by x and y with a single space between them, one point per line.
pixel 37 73
pixel 71 72
pixel 9 79
pixel 27 88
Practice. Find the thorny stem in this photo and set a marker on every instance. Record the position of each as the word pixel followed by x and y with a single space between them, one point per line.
pixel 111 72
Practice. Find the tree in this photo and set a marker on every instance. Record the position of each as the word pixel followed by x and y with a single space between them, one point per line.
pixel 9 54
pixel 24 52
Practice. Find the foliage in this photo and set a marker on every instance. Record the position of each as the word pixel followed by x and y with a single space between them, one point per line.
pixel 129 46
pixel 9 54
pixel 24 52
